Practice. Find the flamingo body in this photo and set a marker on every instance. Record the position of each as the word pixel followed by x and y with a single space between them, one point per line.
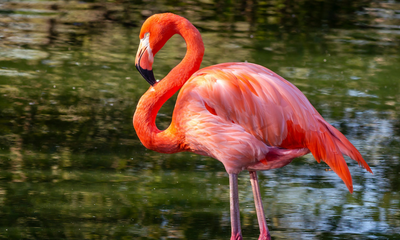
pixel 234 112
pixel 248 117
pixel 242 114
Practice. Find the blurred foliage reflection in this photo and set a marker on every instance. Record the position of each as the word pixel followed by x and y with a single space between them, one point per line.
pixel 71 166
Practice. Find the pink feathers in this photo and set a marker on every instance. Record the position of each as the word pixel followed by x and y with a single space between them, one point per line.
pixel 244 114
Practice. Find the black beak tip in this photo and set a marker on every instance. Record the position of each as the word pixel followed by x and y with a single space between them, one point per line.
pixel 146 74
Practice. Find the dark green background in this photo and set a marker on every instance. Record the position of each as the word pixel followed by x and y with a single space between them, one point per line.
pixel 71 166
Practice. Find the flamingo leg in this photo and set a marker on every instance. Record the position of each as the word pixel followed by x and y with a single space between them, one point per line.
pixel 235 213
pixel 262 223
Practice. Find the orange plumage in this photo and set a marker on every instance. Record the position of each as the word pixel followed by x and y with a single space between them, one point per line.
pixel 242 114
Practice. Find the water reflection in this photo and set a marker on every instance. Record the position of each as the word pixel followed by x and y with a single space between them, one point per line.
pixel 72 167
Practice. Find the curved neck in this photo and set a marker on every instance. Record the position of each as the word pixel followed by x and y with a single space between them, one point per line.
pixel 169 140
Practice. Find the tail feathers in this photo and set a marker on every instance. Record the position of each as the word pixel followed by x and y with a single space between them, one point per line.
pixel 329 145
pixel 347 148
pixel 323 146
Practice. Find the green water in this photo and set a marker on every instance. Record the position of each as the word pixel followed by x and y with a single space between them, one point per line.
pixel 71 166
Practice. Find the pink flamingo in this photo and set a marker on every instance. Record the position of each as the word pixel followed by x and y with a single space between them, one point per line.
pixel 242 114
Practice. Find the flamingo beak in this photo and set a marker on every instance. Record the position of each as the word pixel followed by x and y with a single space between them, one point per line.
pixel 144 60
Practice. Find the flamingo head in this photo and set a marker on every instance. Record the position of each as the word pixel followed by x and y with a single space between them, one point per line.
pixel 155 32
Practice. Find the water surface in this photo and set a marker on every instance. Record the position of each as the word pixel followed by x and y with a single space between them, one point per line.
pixel 71 166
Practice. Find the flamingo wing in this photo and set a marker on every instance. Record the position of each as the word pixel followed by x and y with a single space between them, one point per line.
pixel 259 110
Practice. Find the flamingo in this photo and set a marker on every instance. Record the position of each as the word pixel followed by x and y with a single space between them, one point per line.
pixel 242 114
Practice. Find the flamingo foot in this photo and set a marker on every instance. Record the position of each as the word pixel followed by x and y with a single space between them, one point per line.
pixel 264 235
pixel 237 236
